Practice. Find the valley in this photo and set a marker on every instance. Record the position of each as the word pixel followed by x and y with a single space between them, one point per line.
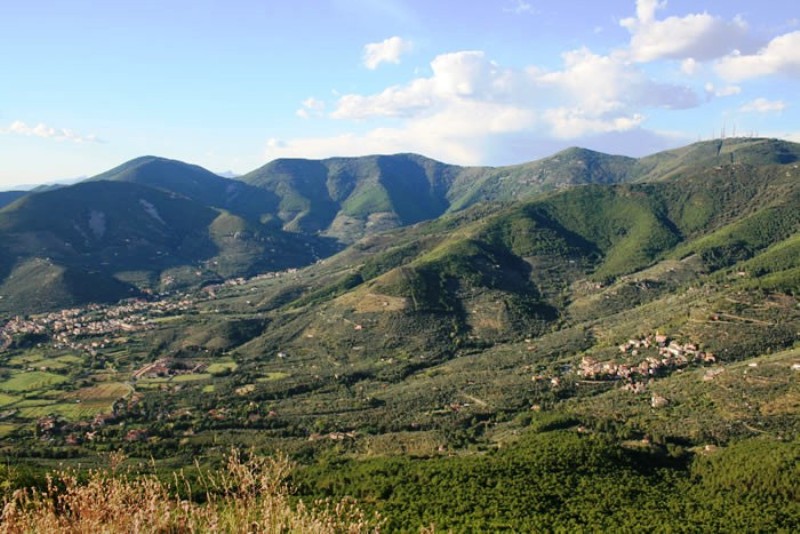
pixel 522 336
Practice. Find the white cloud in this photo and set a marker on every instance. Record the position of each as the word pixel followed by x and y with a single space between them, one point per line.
pixel 396 101
pixel 762 105
pixel 646 9
pixel 470 108
pixel 456 76
pixel 602 85
pixel 569 123
pixel 310 107
pixel 387 51
pixel 699 36
pixel 48 132
pixel 690 66
pixel 780 56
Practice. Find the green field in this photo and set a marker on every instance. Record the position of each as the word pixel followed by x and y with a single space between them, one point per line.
pixel 104 392
pixel 273 376
pixel 6 399
pixel 26 358
pixel 194 377
pixel 220 367
pixel 30 381
pixel 38 359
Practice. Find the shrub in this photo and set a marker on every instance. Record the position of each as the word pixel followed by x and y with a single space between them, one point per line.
pixel 249 495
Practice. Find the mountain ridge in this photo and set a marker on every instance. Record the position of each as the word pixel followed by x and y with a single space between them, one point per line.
pixel 293 212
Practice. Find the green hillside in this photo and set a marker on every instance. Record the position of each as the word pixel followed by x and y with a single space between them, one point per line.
pixel 619 355
pixel 291 213
pixel 126 234
pixel 743 150
pixel 571 167
pixel 348 198
pixel 195 183
pixel 486 276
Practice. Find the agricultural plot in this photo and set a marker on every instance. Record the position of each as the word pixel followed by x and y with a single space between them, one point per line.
pixel 31 380
pixel 39 360
pixel 6 399
pixel 195 377
pixel 273 376
pixel 26 358
pixel 221 367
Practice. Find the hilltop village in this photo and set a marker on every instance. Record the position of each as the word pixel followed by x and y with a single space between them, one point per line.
pixel 659 353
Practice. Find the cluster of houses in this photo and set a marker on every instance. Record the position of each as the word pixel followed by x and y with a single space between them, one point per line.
pixel 211 290
pixel 657 355
pixel 68 328
pixel 166 367
pixel 77 432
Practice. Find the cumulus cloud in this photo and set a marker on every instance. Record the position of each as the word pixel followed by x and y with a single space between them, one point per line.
pixel 569 123
pixel 699 36
pixel 616 85
pixel 780 56
pixel 470 76
pixel 48 132
pixel 762 105
pixel 470 108
pixel 387 51
pixel 466 75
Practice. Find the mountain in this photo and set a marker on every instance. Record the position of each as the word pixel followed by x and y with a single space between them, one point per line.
pixel 570 167
pixel 132 237
pixel 745 150
pixel 348 198
pixel 291 213
pixel 7 197
pixel 595 355
pixel 195 183
pixel 486 275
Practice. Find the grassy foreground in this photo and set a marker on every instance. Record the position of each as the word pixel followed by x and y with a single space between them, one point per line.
pixel 249 495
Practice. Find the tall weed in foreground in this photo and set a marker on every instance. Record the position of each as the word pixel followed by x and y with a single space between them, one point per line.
pixel 250 495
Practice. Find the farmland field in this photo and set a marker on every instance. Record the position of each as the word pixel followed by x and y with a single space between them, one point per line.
pixel 191 378
pixel 31 380
pixel 6 399
pixel 221 367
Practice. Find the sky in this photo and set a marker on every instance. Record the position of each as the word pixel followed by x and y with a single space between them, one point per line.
pixel 231 85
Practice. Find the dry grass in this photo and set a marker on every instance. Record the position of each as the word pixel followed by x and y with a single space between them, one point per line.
pixel 248 496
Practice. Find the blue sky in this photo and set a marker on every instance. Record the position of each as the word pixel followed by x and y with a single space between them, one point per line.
pixel 230 85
